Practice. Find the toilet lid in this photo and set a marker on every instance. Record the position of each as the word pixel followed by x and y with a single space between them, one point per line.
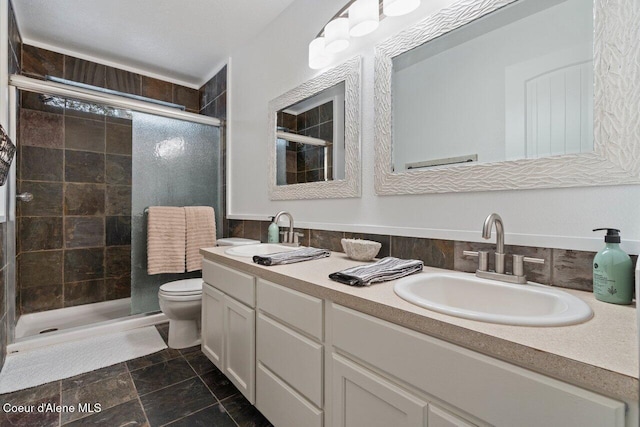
pixel 185 286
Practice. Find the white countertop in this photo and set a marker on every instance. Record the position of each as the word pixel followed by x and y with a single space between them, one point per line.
pixel 600 354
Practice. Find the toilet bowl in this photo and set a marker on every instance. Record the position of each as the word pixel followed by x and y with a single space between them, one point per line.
pixel 181 302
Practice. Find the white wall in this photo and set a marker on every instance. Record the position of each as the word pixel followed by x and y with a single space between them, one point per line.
pixel 276 62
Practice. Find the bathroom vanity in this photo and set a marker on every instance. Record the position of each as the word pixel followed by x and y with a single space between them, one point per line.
pixel 307 351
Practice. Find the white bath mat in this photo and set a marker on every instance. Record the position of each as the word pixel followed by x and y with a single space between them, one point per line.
pixel 45 364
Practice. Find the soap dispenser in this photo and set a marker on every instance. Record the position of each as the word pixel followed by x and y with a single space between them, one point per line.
pixel 273 232
pixel 612 271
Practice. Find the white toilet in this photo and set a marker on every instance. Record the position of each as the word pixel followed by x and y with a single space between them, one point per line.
pixel 181 302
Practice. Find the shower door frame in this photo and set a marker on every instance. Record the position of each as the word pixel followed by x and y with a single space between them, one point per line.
pixel 18 82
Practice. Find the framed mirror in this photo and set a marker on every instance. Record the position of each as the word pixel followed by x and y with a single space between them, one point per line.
pixel 509 94
pixel 314 132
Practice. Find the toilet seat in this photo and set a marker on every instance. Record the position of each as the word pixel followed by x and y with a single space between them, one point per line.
pixel 182 287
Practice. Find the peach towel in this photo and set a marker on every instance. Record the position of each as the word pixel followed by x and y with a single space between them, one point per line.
pixel 166 234
pixel 201 233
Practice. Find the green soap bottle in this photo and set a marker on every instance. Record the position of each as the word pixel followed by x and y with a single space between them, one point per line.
pixel 612 271
pixel 273 232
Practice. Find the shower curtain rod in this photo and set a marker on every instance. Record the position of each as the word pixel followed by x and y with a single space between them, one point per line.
pixel 59 89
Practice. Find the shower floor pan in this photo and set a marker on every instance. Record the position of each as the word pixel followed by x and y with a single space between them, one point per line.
pixel 66 324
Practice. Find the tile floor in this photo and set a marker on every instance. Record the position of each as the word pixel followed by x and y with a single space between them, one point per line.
pixel 177 388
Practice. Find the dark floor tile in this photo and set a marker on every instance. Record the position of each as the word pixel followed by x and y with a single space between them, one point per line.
pixel 83 380
pixel 108 392
pixel 215 415
pixel 118 200
pixel 40 298
pixel 119 139
pixel 47 199
pixel 163 330
pixel 84 199
pixel 84 292
pixel 117 287
pixel 128 414
pixel 244 413
pixel 152 359
pixel 84 134
pixel 83 264
pixel 32 418
pixel 175 402
pixel 40 268
pixel 199 362
pixel 192 349
pixel 118 169
pixel 118 230
pixel 33 394
pixel 39 233
pixel 384 240
pixel 41 129
pixel 118 261
pixel 161 375
pixel 41 62
pixel 84 231
pixel 83 166
pixel 219 384
pixel 41 164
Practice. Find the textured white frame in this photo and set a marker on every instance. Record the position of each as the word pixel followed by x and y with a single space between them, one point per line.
pixel 348 72
pixel 616 156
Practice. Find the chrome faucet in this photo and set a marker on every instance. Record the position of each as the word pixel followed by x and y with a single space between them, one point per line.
pixel 288 237
pixel 492 219
pixel 518 275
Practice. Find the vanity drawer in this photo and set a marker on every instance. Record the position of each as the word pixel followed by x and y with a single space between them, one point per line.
pixel 295 308
pixel 494 391
pixel 294 358
pixel 238 285
pixel 282 406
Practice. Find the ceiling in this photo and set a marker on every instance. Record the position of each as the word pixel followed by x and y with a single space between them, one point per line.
pixel 184 41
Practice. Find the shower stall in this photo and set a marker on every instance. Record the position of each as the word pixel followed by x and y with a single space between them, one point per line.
pixel 88 164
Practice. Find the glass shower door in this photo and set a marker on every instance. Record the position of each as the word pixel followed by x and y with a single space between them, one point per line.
pixel 175 163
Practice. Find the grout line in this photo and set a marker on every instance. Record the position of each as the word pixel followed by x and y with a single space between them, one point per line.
pixel 188 415
pixel 144 412
pixel 170 385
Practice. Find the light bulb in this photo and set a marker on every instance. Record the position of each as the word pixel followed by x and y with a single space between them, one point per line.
pixel 336 34
pixel 399 7
pixel 364 17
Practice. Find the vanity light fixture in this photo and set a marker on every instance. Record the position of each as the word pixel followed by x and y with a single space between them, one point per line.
pixel 336 34
pixel 399 7
pixel 318 55
pixel 356 19
pixel 364 17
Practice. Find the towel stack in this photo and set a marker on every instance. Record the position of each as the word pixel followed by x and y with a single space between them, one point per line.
pixel 175 235
pixel 388 268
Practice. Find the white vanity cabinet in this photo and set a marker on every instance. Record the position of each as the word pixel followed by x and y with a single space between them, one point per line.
pixel 228 324
pixel 289 353
pixel 375 364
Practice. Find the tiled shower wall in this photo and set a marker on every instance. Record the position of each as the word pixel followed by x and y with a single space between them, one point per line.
pixel 78 165
pixel 563 268
pixel 15 44
pixel 74 238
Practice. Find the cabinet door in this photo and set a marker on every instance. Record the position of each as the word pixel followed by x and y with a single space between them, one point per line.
pixel 240 346
pixel 213 325
pixel 364 399
pixel 441 418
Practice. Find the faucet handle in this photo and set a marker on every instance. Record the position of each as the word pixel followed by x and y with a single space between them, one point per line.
pixel 296 236
pixel 518 263
pixel 483 258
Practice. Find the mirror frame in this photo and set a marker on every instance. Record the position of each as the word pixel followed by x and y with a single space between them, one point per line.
pixel 348 72
pixel 616 156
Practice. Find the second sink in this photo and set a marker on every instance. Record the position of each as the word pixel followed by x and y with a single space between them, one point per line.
pixel 259 249
pixel 464 295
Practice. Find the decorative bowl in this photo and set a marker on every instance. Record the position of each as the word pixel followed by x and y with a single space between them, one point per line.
pixel 360 250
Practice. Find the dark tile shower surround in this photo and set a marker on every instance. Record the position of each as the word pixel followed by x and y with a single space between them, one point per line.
pixel 74 237
pixel 562 268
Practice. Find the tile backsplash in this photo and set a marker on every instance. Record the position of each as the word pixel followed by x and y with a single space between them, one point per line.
pixel 562 268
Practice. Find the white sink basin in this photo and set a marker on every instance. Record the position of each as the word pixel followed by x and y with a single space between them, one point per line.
pixel 465 295
pixel 259 249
